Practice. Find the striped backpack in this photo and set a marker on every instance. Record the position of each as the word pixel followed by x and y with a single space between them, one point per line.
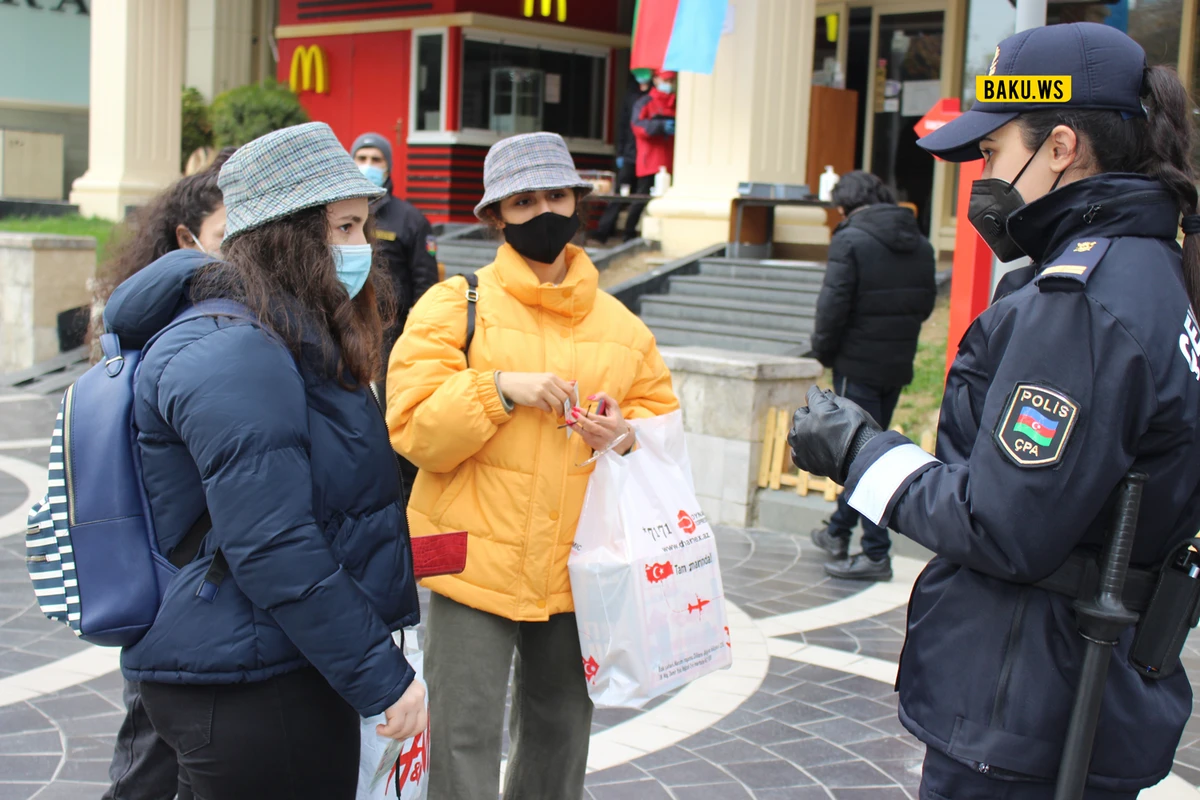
pixel 91 550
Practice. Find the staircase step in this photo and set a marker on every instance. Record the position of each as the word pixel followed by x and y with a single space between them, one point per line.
pixel 743 313
pixel 730 337
pixel 806 272
pixel 786 292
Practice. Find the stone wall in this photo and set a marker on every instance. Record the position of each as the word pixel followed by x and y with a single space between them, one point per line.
pixel 40 277
pixel 725 396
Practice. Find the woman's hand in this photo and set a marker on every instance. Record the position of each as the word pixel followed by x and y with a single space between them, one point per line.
pixel 542 390
pixel 599 430
pixel 407 717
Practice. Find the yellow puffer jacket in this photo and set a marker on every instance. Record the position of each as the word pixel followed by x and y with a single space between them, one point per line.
pixel 510 481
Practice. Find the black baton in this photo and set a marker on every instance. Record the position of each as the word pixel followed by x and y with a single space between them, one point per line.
pixel 1101 622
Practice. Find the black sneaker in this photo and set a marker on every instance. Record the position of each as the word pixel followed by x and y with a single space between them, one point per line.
pixel 861 568
pixel 837 546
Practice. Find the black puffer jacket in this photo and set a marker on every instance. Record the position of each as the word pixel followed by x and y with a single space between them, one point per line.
pixel 879 288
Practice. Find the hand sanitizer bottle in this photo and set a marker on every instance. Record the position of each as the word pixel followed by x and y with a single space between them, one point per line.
pixel 829 179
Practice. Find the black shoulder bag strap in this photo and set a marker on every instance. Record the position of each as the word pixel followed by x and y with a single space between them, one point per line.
pixel 472 299
pixel 189 546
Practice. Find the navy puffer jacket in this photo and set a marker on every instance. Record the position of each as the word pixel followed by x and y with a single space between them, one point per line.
pixel 301 483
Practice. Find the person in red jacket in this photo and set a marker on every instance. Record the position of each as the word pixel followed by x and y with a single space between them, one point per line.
pixel 654 129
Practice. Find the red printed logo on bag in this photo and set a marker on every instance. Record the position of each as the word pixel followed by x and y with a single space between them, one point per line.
pixel 412 763
pixel 698 606
pixel 590 668
pixel 686 524
pixel 657 573
pixel 728 642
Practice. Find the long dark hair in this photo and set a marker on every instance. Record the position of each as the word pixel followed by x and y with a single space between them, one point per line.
pixel 149 233
pixel 1158 145
pixel 283 271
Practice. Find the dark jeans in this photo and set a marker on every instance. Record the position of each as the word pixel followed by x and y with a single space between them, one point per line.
pixel 943 778
pixel 880 403
pixel 289 736
pixel 143 767
pixel 608 220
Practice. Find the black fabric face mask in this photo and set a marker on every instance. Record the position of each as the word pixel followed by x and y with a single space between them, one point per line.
pixel 993 201
pixel 542 238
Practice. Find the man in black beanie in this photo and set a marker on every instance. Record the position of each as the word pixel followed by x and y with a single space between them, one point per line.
pixel 408 245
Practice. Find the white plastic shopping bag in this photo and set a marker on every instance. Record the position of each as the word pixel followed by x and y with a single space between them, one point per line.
pixel 391 769
pixel 644 573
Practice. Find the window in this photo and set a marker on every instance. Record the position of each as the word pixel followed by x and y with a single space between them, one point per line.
pixel 428 90
pixel 1154 24
pixel 1195 92
pixel 827 70
pixel 503 85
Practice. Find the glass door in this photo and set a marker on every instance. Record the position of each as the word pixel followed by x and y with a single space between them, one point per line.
pixel 905 83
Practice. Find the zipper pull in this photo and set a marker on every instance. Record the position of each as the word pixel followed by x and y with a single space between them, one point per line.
pixel 1091 213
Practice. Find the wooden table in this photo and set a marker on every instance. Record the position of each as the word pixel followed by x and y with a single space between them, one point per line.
pixel 752 222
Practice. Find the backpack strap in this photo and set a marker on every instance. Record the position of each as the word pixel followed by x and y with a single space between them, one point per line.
pixel 472 299
pixel 189 546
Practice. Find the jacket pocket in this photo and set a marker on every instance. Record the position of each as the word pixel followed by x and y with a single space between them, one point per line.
pixel 1011 652
pixel 452 491
pixel 1010 755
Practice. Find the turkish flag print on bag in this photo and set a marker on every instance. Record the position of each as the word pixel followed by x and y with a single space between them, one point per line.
pixel 645 578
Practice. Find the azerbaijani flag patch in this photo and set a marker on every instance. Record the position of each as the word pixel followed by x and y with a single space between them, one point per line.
pixel 1035 426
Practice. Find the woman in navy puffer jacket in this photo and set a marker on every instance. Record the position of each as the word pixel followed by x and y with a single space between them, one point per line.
pixel 266 422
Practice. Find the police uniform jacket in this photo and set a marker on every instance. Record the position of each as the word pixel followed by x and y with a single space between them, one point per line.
pixel 1085 366
pixel 406 241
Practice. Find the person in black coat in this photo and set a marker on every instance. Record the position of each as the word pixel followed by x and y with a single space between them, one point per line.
pixel 404 236
pixel 879 288
pixel 405 239
pixel 639 85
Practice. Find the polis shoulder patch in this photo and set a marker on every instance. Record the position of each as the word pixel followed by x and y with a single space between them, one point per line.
pixel 1036 424
pixel 1071 270
pixel 384 236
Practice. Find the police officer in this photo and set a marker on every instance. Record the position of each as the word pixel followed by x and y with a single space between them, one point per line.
pixel 1085 366
pixel 405 237
pixel 408 246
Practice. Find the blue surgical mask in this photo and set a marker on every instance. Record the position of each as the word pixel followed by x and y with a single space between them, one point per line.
pixel 372 173
pixel 353 262
pixel 665 87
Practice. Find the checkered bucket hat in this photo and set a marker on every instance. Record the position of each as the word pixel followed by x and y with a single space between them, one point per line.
pixel 529 162
pixel 287 171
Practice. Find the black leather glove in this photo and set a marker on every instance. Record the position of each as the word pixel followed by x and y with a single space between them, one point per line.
pixel 828 434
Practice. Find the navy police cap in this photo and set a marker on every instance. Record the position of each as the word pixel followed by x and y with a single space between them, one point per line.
pixel 1105 66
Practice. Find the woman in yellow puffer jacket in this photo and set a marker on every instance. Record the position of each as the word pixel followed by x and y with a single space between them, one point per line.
pixel 500 458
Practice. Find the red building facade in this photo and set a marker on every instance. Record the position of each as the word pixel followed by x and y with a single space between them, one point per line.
pixel 445 79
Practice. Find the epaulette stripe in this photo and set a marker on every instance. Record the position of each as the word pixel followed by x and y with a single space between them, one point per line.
pixel 1066 270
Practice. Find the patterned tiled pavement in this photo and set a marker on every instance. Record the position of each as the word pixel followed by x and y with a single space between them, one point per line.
pixel 818 721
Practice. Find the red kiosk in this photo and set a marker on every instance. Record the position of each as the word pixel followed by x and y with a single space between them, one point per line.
pixel 445 79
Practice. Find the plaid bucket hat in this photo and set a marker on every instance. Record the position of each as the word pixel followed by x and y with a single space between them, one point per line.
pixel 287 171
pixel 529 162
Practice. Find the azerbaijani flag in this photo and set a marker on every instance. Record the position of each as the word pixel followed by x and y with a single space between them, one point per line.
pixel 1036 426
pixel 677 35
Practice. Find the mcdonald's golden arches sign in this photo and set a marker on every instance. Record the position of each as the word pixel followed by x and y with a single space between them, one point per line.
pixel 547 8
pixel 310 70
